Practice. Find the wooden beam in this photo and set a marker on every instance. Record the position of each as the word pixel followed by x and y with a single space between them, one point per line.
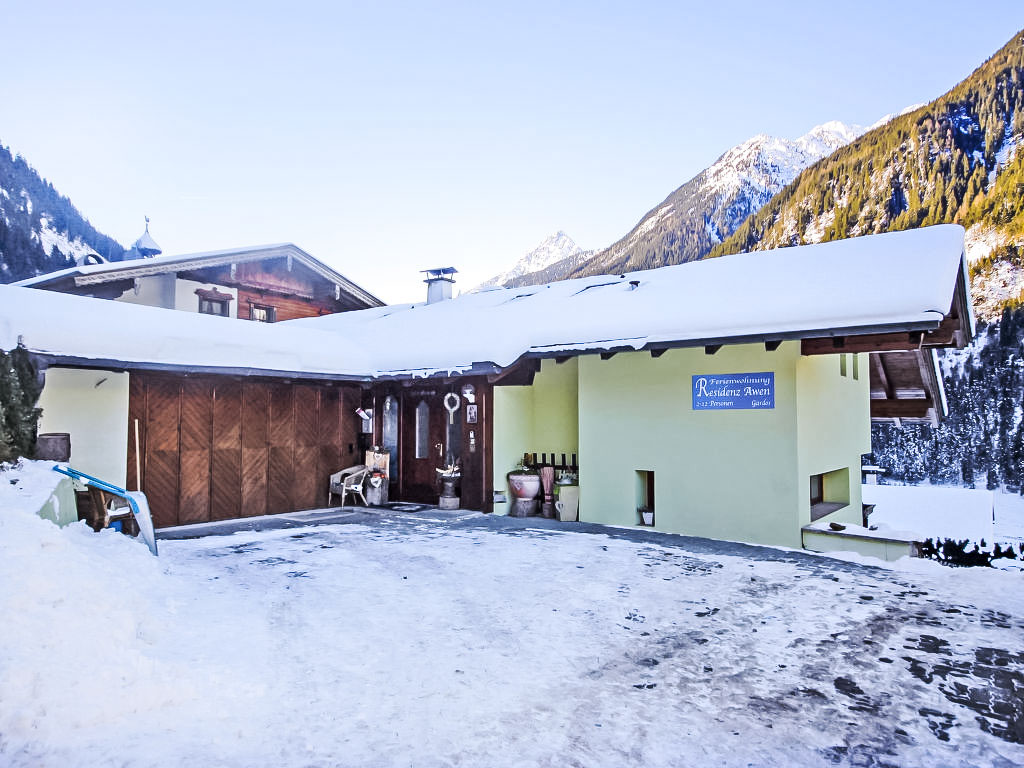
pixel 520 373
pixel 656 353
pixel 944 335
pixel 910 408
pixel 771 346
pixel 878 342
pixel 710 349
pixel 883 377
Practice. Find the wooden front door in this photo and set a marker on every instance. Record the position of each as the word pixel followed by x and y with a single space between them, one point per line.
pixel 424 445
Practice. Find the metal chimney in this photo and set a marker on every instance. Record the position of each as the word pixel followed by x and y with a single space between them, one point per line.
pixel 439 283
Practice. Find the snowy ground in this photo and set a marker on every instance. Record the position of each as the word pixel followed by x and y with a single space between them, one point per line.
pixel 940 511
pixel 397 641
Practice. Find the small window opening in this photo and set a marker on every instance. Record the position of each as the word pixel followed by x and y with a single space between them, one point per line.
pixel 842 365
pixel 262 314
pixel 213 307
pixel 645 496
pixel 856 367
pixel 422 430
pixel 829 492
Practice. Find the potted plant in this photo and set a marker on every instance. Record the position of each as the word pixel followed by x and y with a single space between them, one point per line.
pixel 525 485
pixel 449 477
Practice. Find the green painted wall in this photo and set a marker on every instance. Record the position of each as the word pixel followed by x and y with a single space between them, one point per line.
pixel 833 428
pixel 883 549
pixel 720 474
pixel 741 475
pixel 540 418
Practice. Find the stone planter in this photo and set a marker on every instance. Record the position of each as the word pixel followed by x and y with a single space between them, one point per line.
pixel 525 488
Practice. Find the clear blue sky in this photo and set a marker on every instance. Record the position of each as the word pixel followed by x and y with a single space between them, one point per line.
pixel 385 138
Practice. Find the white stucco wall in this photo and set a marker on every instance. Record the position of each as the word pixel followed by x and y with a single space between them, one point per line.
pixel 185 296
pixel 169 292
pixel 92 406
pixel 154 291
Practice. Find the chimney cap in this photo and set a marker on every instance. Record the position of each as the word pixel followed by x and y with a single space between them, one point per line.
pixel 439 273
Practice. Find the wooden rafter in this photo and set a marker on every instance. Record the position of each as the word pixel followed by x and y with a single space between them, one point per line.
pixel 883 377
pixel 910 408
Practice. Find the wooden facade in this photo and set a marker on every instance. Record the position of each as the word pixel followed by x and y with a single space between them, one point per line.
pixel 216 447
pixel 449 436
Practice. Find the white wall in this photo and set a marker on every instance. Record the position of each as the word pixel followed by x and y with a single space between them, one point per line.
pixel 171 293
pixel 154 291
pixel 92 406
pixel 185 296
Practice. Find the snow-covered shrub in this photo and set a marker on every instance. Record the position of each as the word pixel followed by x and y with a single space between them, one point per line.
pixel 19 392
pixel 967 554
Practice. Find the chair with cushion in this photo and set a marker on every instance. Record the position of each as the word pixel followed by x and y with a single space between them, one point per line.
pixel 348 481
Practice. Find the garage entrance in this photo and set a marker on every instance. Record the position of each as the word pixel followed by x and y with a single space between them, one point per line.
pixel 214 448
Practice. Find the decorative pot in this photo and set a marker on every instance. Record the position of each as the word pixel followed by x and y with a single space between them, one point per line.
pixel 525 489
pixel 524 485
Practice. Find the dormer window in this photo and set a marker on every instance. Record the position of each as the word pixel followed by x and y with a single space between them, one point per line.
pixel 213 302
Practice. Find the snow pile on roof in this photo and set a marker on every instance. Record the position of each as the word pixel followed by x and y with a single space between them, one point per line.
pixel 893 280
pixel 111 331
pixel 166 258
pixel 896 279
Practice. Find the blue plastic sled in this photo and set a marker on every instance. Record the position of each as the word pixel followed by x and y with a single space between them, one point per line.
pixel 137 502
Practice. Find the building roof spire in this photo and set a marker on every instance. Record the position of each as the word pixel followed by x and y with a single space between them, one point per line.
pixel 146 245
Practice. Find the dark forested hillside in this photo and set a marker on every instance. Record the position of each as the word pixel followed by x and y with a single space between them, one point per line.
pixel 33 215
pixel 952 160
pixel 981 442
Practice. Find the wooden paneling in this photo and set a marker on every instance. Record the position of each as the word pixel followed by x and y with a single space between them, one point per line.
pixel 226 463
pixel 307 437
pixel 282 449
pixel 215 448
pixel 255 453
pixel 195 448
pixel 161 460
pixel 286 307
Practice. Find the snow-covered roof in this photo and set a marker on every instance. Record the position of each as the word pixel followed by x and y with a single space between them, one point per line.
pixel 93 274
pixel 871 284
pixel 894 281
pixel 102 333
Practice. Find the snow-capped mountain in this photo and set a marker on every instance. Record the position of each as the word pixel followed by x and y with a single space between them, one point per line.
pixel 40 230
pixel 710 206
pixel 555 248
pixel 702 212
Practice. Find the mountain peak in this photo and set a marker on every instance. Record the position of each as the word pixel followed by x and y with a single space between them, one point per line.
pixel 553 248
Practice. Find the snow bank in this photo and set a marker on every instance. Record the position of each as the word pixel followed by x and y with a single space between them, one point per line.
pixel 27 485
pixel 405 643
pixel 932 511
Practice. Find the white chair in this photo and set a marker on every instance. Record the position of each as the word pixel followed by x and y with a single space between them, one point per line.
pixel 347 481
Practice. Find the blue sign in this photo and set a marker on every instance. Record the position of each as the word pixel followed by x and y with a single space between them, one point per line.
pixel 733 391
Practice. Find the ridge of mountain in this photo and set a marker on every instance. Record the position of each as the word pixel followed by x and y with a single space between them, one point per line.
pixel 554 248
pixel 953 160
pixel 40 230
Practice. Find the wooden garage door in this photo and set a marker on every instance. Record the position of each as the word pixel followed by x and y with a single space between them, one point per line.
pixel 215 449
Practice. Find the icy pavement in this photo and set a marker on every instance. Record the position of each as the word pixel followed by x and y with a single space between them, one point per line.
pixel 483 641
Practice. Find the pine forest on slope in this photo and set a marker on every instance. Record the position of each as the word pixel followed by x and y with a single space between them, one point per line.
pixel 952 160
pixel 40 230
